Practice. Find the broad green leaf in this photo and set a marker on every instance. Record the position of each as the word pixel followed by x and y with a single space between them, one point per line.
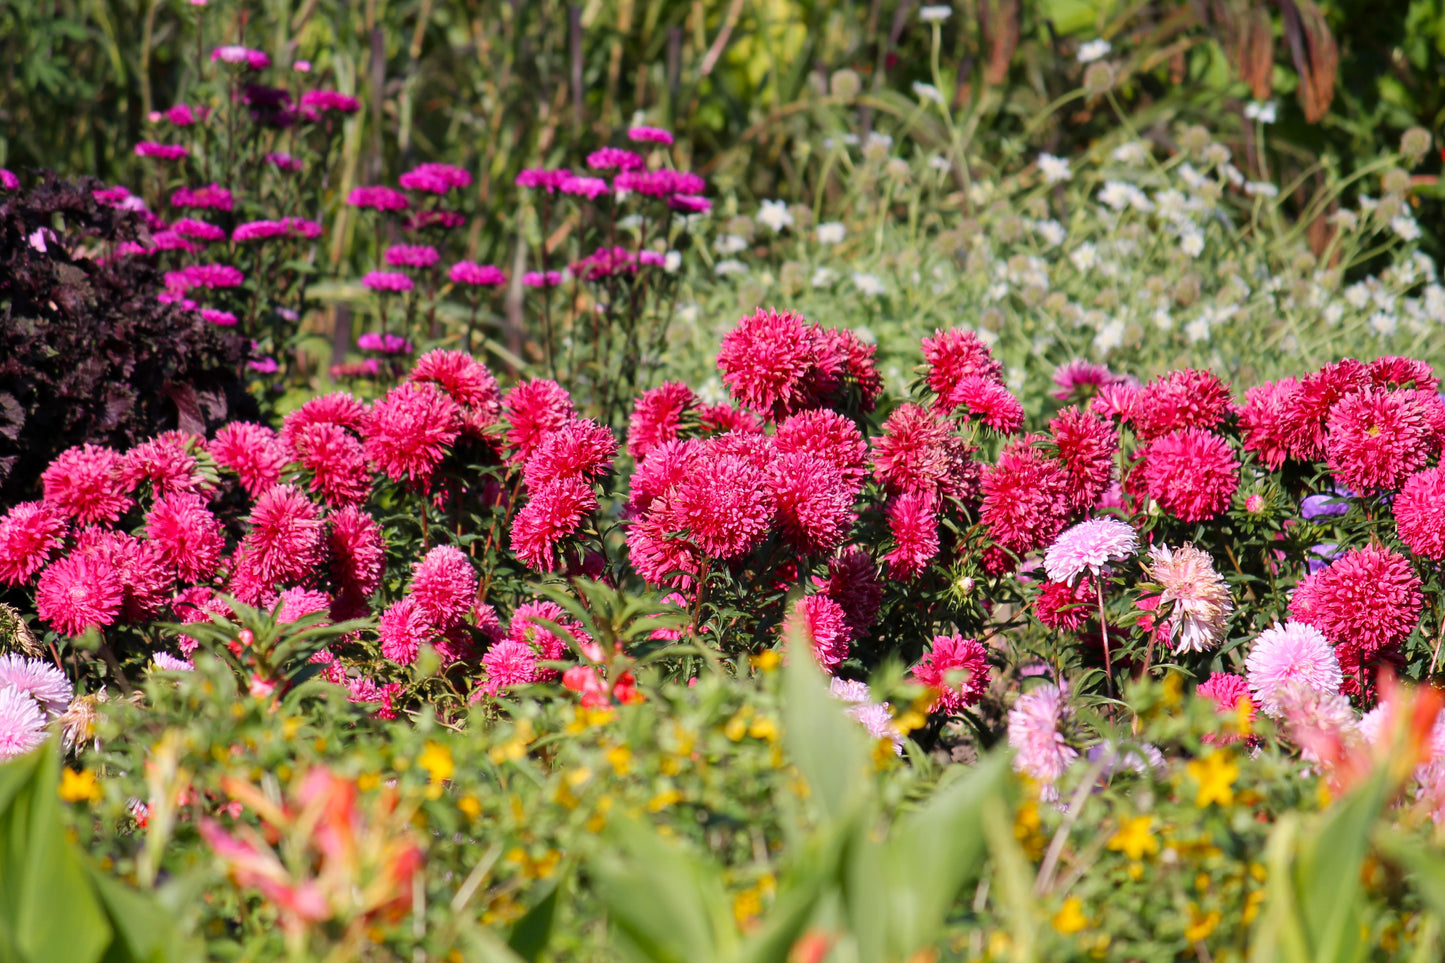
pixel 829 749
pixel 531 933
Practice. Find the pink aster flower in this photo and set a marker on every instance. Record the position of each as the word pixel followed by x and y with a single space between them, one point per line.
pixel 337 408
pixel 8 180
pixel 726 506
pixel 357 552
pixel 656 417
pixel 1040 750
pixel 1087 445
pixel 829 436
pixel 689 203
pixel 766 359
pixel 914 527
pixel 533 622
pixel 1182 399
pixel 1376 439
pixel 542 279
pixel 659 183
pixel 284 543
pixel 150 148
pixel 29 532
pixel 588 187
pixel 534 409
pixel 614 158
pixel 410 430
pixel 1025 498
pixel 919 452
pixel 853 583
pixel 212 197
pixel 1088 546
pixel 189 538
pixel 1081 380
pixel 337 463
pixel 467 381
pixel 953 356
pixel 814 502
pixel 509 663
pixel 649 135
pixel 1366 602
pixel 989 401
pixel 242 56
pixel 252 451
pixel 1292 652
pixel 821 622
pixel 314 103
pixel 435 178
pixel 89 484
pixel 22 725
pixel 1225 689
pixel 412 255
pixel 77 592
pixel 214 276
pixel 957 669
pixel 1262 422
pixel 1393 371
pixel 478 275
pixel 403 629
pixel 658 556
pixel 167 464
pixel 387 282
pixel 581 448
pixel 1191 473
pixel 444 585
pixel 297 603
pixel 555 511
pixel 541 177
pixel 1419 514
pixel 377 198
pixel 1199 600
pixel 145 581
pixel 41 681
pixel 1061 605
pixel 258 231
pixel 223 318
pixel 1308 406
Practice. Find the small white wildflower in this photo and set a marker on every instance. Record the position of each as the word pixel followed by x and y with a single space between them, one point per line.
pixel 1357 294
pixel 1051 231
pixel 1191 177
pixel 996 292
pixel 1382 297
pixel 775 215
pixel 867 284
pixel 1232 174
pixel 880 140
pixel 979 193
pixel 1405 227
pixel 1333 313
pixel 939 163
pixel 1344 220
pixel 631 222
pixel 935 13
pixel 1115 194
pixel 1368 204
pixel 730 244
pixel 831 232
pixel 688 313
pixel 1132 153
pixel 1110 337
pixel 1084 257
pixel 927 92
pixel 1260 189
pixel 672 261
pixel 1094 50
pixel 730 266
pixel 1384 323
pixel 1191 242
pixel 1197 330
pixel 1054 169
pixel 1424 265
pixel 865 334
pixel 1163 320
pixel 1265 113
pixel 824 277
pixel 1435 303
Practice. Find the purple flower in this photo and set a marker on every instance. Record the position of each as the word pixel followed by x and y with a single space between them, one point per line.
pixel 1087 546
pixel 541 177
pixel 614 158
pixel 588 187
pixel 412 255
pixel 1327 504
pixel 384 343
pixel 542 279
pixel 265 366
pixel 253 59
pixel 387 281
pixel 435 178
pixel 8 181
pixel 150 148
pixel 377 198
pixel 213 276
pixel 1321 555
pixel 649 135
pixel 469 272
pixel 224 318
pixel 181 115
pixel 1080 374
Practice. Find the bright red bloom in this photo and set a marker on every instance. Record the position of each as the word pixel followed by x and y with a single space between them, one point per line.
pixel 340 473
pixel 823 623
pixel 77 592
pixel 853 583
pixel 657 416
pixel 1191 473
pixel 410 430
pixel 403 629
pixel 726 505
pixel 1263 421
pixel 1420 513
pixel 467 381
pixel 252 451
pixel 89 484
pixel 1185 398
pixel 167 463
pixel 29 532
pixel 190 539
pixel 990 401
pixel 954 356
pixel 814 502
pixel 920 452
pixel 556 510
pixel 666 467
pixel 766 360
pixel 444 585
pixel 1087 445
pixel 1377 438
pixel 1025 498
pixel 957 668
pixel 831 437
pixel 1306 409
pixel 1064 606
pixel 534 409
pixel 579 449
pixel 914 526
pixel 1365 602
pixel 283 545
pixel 1397 372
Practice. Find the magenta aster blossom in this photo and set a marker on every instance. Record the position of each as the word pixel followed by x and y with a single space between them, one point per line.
pixel 41 681
pixel 614 158
pixel 555 511
pixel 285 543
pixel 689 203
pixel 1225 689
pixel 314 103
pixel 242 56
pixel 766 359
pixel 1263 424
pixel 297 603
pixel 337 463
pixel 1087 445
pixel 337 408
pixel 435 178
pixel 410 430
pixel 412 255
pixel 1040 750
pixel 913 524
pixel 588 187
pixel 660 558
pixel 1394 371
pixel 853 583
pixel 726 506
pixel 387 282
pixel 403 629
pixel 1087 546
pixel 1081 380
pixel 258 231
pixel 953 356
pixel 22 725
pixel 580 448
pixel 919 452
pixel 1375 439
pixel 150 148
pixel 660 183
pixel 831 437
pixel 649 135
pixel 251 451
pixel 541 177
pixel 989 401
pixel 377 198
pixel 166 462
pixel 1064 606
pixel 657 416
pixel 444 585
pixel 957 669
pixel 1366 602
pixel 1191 473
pixel 29 532
pixel 223 318
pixel 1187 398
pixel 77 592
pixel 1419 514
pixel 534 409
pixel 189 538
pixel 479 275
pixel 384 343
pixel 1306 409
pixel 214 276
pixel 1292 652
pixel 814 502
pixel 145 582
pixel 212 197
pixel 529 625
pixel 89 484
pixel 542 279
pixel 8 180
pixel 1025 498
pixel 509 663
pixel 357 553
pixel 823 624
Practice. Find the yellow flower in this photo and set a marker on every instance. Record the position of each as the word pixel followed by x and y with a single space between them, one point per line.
pixel 470 806
pixel 1200 924
pixel 737 726
pixel 1070 919
pixel 766 661
pixel 436 759
pixel 621 759
pixel 1173 689
pixel 516 747
pixel 1135 838
pixel 764 728
pixel 1215 774
pixel 78 786
pixel 662 800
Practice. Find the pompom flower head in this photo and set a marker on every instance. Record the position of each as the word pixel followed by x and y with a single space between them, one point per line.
pixel 1290 653
pixel 444 585
pixel 29 532
pixel 1367 601
pixel 1419 514
pixel 43 682
pixel 957 669
pixel 766 359
pixel 409 431
pixel 1088 546
pixel 1040 750
pixel 822 623
pixel 1198 596
pixel 1377 438
pixel 88 484
pixel 1191 473
pixel 953 357
pixel 535 409
pixel 78 591
pixel 555 511
pixel 22 725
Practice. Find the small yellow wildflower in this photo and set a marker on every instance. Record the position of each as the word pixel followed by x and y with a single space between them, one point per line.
pixel 368 781
pixel 620 757
pixel 1135 838
pixel 1173 689
pixel 436 759
pixel 737 726
pixel 1200 924
pixel 78 786
pixel 1070 918
pixel 766 661
pixel 1252 902
pixel 764 728
pixel 668 797
pixel 1215 774
pixel 516 747
pixel 470 806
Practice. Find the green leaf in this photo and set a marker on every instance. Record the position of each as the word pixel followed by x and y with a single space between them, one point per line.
pixel 828 748
pixel 531 933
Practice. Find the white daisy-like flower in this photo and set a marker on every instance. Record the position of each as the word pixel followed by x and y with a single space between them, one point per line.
pixel 1265 112
pixel 775 215
pixel 730 266
pixel 868 284
pixel 831 232
pixel 935 13
pixel 730 244
pixel 1096 49
pixel 1405 227
pixel 1054 169
pixel 823 277
pixel 927 92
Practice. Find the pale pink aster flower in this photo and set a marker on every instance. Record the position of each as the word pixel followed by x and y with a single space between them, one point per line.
pixel 22 726
pixel 1317 720
pixel 165 662
pixel 41 681
pixel 1292 652
pixel 1088 546
pixel 1198 596
pixel 848 690
pixel 877 718
pixel 1040 750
